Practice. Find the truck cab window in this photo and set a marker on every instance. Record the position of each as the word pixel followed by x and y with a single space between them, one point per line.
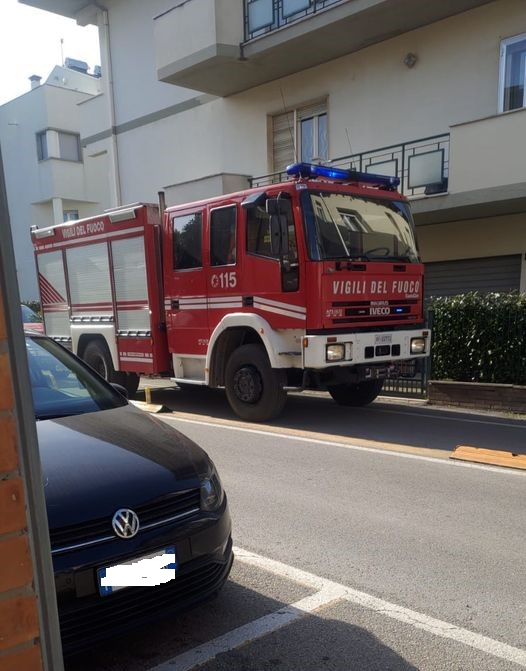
pixel 223 236
pixel 187 241
pixel 258 232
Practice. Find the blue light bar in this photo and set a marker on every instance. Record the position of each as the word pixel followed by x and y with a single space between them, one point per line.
pixel 314 170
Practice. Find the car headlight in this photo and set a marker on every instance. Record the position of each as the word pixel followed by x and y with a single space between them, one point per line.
pixel 212 492
pixel 335 352
pixel 418 345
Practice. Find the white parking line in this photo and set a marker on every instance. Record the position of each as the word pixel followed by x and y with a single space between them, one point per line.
pixel 329 592
pixel 350 446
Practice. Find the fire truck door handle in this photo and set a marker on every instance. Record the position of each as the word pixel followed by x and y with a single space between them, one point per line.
pixel 175 305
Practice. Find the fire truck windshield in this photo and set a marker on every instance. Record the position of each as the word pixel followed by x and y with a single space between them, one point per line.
pixel 340 225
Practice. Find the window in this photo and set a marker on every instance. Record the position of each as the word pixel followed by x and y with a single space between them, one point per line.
pixel 69 146
pixel 70 215
pixel 42 146
pixel 223 236
pixel 58 144
pixel 187 249
pixel 300 135
pixel 258 232
pixel 513 73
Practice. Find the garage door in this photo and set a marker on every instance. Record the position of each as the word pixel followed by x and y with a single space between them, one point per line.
pixel 495 273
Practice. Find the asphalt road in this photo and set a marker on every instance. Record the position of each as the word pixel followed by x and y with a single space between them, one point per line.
pixel 393 556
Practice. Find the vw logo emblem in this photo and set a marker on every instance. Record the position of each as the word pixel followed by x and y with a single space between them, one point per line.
pixel 125 523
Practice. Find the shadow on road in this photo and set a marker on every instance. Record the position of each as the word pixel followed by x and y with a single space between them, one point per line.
pixel 382 421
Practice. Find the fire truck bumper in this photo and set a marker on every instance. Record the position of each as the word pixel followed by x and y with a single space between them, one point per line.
pixel 351 349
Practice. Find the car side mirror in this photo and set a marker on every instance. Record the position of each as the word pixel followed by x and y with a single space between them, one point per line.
pixel 122 390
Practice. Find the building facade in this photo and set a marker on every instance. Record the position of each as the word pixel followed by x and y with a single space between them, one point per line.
pixel 49 177
pixel 202 97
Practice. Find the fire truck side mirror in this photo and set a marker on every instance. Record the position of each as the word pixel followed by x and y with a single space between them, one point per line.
pixel 279 239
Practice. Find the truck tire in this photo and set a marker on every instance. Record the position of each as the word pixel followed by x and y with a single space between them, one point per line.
pixel 253 388
pixel 97 355
pixel 361 393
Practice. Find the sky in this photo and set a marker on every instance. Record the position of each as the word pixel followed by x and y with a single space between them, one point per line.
pixel 30 45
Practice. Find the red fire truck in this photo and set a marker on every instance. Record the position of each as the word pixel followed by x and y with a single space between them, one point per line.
pixel 313 283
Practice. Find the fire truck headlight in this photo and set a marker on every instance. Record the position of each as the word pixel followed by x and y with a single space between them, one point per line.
pixel 418 345
pixel 335 352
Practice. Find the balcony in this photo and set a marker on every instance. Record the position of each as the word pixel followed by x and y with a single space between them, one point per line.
pixel 422 166
pixel 228 46
pixel 476 170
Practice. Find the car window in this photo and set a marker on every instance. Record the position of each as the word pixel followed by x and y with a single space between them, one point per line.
pixel 62 385
pixel 28 316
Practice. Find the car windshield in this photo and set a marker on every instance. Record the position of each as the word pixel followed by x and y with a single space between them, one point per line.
pixel 361 228
pixel 30 317
pixel 62 386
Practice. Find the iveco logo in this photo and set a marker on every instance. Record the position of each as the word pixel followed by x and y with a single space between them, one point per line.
pixel 125 523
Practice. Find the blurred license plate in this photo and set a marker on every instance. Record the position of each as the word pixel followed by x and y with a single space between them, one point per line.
pixel 383 339
pixel 131 573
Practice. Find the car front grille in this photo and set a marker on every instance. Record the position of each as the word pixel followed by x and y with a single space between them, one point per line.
pixel 164 510
pixel 86 620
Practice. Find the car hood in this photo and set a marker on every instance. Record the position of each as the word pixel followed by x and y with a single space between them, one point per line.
pixel 95 463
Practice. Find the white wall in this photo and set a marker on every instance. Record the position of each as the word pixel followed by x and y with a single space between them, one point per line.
pixel 371 94
pixel 31 185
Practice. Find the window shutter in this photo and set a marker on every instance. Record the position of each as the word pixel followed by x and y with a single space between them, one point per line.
pixel 312 110
pixel 283 138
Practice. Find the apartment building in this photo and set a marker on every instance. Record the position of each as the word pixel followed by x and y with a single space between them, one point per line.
pixel 207 96
pixel 49 177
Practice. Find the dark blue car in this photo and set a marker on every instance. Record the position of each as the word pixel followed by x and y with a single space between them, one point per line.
pixel 121 486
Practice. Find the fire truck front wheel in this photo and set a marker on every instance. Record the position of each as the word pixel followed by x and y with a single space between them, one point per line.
pixel 97 355
pixel 361 393
pixel 253 388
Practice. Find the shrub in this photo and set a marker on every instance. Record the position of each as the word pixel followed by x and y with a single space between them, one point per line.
pixel 480 338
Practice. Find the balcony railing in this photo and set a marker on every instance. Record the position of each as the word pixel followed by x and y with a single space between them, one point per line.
pixel 422 165
pixel 263 16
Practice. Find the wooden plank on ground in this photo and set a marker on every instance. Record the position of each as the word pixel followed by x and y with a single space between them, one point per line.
pixel 482 455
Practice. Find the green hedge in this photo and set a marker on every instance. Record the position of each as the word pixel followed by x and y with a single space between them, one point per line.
pixel 479 338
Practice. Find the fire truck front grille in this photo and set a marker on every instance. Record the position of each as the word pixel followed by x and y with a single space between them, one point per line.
pixel 165 510
pixel 354 312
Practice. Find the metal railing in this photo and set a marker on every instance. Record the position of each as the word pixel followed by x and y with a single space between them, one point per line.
pixel 421 165
pixel 263 16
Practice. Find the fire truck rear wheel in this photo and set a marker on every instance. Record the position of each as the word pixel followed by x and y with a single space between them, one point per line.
pixel 97 355
pixel 361 393
pixel 253 388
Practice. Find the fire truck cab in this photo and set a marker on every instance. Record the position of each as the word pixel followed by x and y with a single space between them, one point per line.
pixel 312 283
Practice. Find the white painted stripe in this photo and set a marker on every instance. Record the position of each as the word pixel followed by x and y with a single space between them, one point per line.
pixel 197 306
pixel 222 306
pixel 136 358
pixel 327 593
pixel 351 446
pixel 219 299
pixel 519 425
pixel 279 304
pixel 274 310
pixel 186 300
pixel 388 609
pixel 251 631
pixel 90 238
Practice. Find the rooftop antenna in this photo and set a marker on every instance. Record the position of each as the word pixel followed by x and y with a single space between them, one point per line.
pixel 288 124
pixel 62 51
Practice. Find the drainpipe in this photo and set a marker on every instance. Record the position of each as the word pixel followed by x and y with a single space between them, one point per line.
pixel 104 33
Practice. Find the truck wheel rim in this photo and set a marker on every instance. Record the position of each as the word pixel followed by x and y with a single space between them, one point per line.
pixel 100 366
pixel 247 384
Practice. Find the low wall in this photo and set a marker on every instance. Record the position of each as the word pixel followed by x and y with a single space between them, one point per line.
pixel 501 397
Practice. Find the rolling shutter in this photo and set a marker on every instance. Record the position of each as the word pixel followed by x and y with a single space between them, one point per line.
pixel 495 273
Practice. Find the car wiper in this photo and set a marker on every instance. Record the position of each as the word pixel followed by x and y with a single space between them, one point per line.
pixel 57 415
